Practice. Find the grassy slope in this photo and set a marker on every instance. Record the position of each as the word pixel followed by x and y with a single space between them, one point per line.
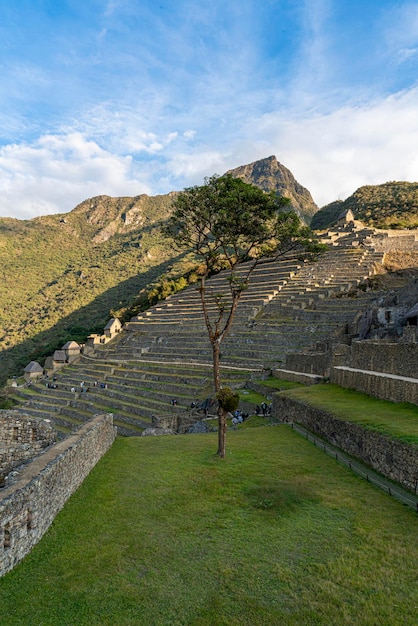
pixel 162 532
pixel 399 421
pixel 390 205
pixel 58 283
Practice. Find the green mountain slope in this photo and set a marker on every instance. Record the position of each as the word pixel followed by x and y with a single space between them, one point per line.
pixel 391 205
pixel 91 261
pixel 63 276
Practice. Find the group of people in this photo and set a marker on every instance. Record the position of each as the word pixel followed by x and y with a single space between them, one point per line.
pixel 264 410
pixel 84 387
pixel 238 417
pixel 49 384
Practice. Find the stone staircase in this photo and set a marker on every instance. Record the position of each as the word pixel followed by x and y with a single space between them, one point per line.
pixel 165 352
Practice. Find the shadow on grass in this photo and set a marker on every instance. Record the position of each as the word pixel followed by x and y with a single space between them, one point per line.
pixel 78 324
pixel 277 496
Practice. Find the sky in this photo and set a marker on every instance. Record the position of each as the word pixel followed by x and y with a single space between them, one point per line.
pixel 125 97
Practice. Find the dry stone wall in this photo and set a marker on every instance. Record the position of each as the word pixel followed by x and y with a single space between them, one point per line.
pixel 309 362
pixel 393 459
pixel 29 506
pixel 382 356
pixel 382 386
pixel 16 428
pixel 395 240
pixel 21 438
pixel 385 370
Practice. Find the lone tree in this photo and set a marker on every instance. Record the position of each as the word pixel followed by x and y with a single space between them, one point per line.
pixel 227 222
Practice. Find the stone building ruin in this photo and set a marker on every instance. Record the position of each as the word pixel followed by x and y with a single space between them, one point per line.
pixel 21 438
pixel 30 503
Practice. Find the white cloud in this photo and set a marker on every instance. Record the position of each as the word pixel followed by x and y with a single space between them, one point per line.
pixel 193 167
pixel 55 173
pixel 332 155
pixel 406 53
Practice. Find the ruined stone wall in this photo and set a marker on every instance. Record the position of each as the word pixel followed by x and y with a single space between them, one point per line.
pixel 395 389
pixel 396 240
pixel 173 422
pixel 400 359
pixel 394 459
pixel 385 370
pixel 21 438
pixel 309 362
pixel 18 428
pixel 28 507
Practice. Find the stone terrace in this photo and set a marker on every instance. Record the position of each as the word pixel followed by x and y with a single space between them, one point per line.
pixel 289 305
pixel 134 392
pixel 165 352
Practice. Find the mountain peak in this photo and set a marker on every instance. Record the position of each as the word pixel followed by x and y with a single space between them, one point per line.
pixel 270 175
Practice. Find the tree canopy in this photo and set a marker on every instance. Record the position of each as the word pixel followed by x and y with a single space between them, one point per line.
pixel 227 222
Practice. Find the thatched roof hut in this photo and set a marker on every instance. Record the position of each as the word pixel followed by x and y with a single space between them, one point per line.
pixel 59 356
pixel 33 371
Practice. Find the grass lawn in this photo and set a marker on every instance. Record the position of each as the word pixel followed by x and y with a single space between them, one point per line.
pixel 162 532
pixel 398 420
pixel 279 384
pixel 272 385
pixel 248 395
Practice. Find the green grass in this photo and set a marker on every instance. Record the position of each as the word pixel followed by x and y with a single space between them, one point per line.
pixel 279 384
pixel 271 384
pixel 255 421
pixel 398 420
pixel 163 532
pixel 253 397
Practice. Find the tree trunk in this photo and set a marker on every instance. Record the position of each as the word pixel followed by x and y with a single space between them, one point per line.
pixel 221 432
pixel 216 358
pixel 216 350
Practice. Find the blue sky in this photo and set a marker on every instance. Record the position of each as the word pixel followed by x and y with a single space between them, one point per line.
pixel 123 97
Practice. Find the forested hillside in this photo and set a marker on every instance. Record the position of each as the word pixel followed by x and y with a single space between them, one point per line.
pixel 391 205
pixel 63 275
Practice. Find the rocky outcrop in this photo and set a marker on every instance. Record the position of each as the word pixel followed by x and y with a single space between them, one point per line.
pixel 270 175
pixel 107 216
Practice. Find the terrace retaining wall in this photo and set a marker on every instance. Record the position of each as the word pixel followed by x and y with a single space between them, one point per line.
pixel 383 356
pixel 383 386
pixel 21 438
pixel 393 459
pixel 29 506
